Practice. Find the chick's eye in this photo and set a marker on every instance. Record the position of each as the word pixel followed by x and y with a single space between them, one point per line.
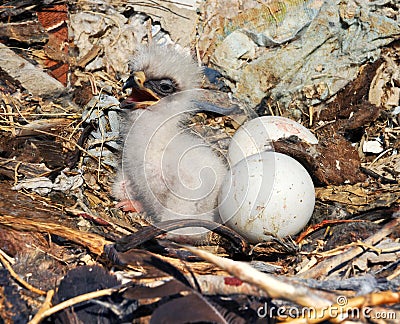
pixel 166 86
pixel 162 87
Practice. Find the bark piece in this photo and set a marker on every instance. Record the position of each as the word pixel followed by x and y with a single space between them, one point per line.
pixel 32 78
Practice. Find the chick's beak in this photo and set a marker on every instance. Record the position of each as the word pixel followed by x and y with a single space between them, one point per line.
pixel 140 96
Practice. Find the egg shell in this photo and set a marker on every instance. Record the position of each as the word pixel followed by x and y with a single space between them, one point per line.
pixel 257 134
pixel 267 193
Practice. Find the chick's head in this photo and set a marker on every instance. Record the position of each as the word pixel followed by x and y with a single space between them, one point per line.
pixel 158 72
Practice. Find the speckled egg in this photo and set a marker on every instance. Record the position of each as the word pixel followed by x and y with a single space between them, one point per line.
pixel 256 135
pixel 267 194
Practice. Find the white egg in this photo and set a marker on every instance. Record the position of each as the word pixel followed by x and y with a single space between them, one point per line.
pixel 256 135
pixel 267 193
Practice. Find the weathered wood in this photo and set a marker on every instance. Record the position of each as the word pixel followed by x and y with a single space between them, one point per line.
pixel 32 78
pixel 28 32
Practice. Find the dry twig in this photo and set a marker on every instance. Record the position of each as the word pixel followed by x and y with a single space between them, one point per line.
pixel 274 287
pixel 18 278
pixel 326 267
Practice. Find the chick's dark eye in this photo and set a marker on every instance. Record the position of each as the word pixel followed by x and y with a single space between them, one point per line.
pixel 166 86
pixel 162 87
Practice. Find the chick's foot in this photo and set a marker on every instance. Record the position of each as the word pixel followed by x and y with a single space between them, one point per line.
pixel 130 206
